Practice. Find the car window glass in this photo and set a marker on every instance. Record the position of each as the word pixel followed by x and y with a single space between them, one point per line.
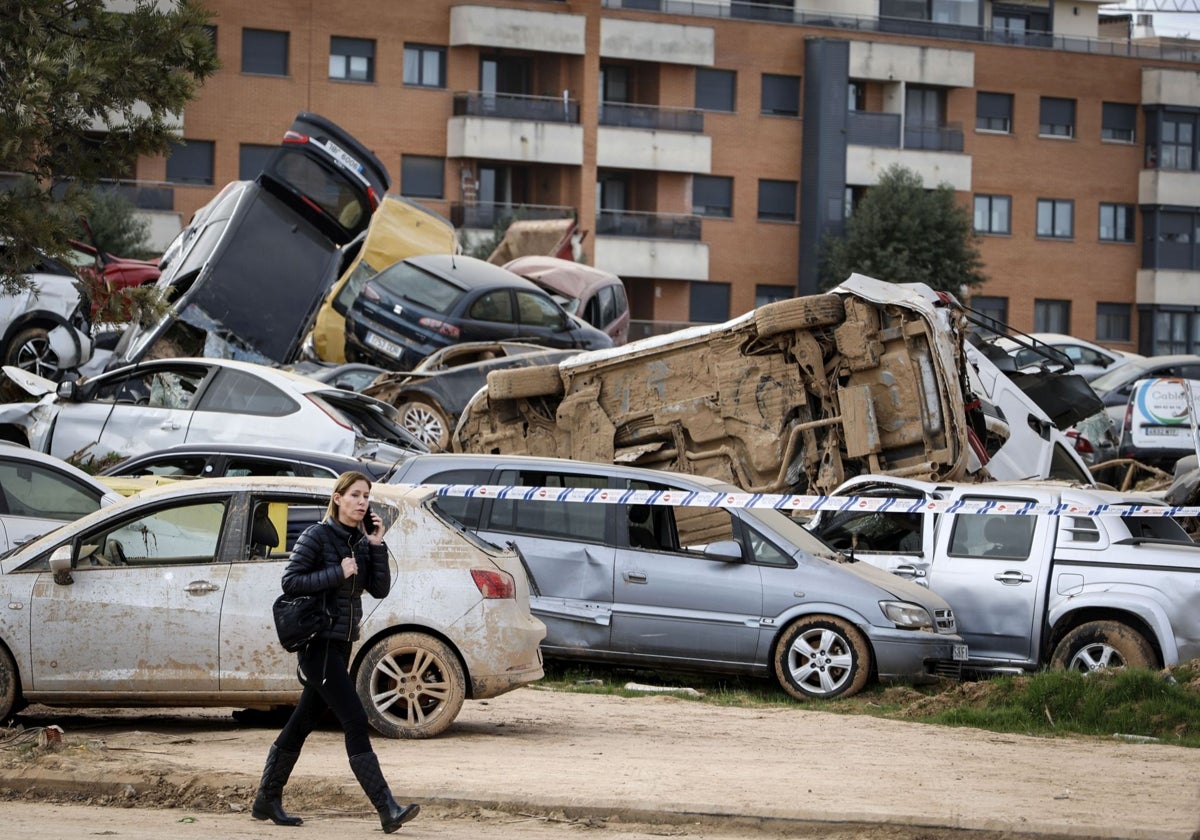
pixel 241 392
pixel 1065 467
pixel 178 465
pixel 459 508
pixel 328 189
pixel 575 521
pixel 408 282
pixel 593 310
pixel 992 535
pixel 239 467
pixel 1156 528
pixel 495 307
pixel 668 528
pixel 872 531
pixel 763 551
pixel 277 522
pixel 185 533
pixel 172 388
pixel 608 305
pixel 536 310
pixel 1189 371
pixel 35 491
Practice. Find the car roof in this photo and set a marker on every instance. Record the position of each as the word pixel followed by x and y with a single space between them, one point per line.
pixel 306 456
pixel 563 276
pixel 470 273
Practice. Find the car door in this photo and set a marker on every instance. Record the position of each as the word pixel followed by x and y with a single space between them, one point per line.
pixel 142 611
pixel 36 498
pixel 238 406
pixel 672 600
pixel 994 581
pixel 490 316
pixel 133 411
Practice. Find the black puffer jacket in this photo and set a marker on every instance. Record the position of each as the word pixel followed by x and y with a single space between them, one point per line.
pixel 316 565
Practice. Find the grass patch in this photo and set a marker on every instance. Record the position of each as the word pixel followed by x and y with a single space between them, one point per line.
pixel 1163 706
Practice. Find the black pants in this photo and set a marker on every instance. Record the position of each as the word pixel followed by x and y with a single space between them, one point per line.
pixel 325 665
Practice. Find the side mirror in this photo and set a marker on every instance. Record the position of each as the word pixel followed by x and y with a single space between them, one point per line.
pixel 60 565
pixel 727 551
pixel 68 390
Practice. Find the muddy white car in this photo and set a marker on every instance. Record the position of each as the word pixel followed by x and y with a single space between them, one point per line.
pixel 794 396
pixel 45 327
pixel 165 600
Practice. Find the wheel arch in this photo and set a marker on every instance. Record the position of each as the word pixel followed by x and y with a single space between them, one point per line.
pixel 787 619
pixel 18 694
pixel 38 318
pixel 365 644
pixel 1154 626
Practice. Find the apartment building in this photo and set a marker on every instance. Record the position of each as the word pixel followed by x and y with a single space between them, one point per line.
pixel 708 146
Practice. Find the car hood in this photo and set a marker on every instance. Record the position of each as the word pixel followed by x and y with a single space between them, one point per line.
pixel 31 383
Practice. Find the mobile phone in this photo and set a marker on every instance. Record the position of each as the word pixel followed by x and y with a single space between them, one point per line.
pixel 369 521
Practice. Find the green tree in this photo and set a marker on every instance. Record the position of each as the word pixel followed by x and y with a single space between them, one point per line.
pixel 83 92
pixel 904 233
pixel 116 226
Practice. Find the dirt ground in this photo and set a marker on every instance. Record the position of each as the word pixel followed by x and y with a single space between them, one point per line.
pixel 537 762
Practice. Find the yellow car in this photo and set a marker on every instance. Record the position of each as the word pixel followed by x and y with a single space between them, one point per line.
pixel 399 229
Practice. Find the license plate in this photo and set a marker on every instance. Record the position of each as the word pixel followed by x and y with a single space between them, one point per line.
pixel 381 343
pixel 342 157
pixel 960 653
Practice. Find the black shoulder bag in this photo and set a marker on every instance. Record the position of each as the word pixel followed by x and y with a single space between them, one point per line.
pixel 299 618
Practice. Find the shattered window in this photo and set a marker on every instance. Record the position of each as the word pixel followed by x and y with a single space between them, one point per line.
pixel 576 521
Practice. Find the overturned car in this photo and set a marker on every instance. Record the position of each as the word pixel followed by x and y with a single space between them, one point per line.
pixel 794 396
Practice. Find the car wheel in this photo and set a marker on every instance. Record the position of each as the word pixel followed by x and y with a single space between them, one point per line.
pixel 10 687
pixel 31 351
pixel 518 383
pixel 411 685
pixel 1103 644
pixel 802 313
pixel 428 424
pixel 822 657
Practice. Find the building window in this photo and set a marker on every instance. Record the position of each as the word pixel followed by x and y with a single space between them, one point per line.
pixel 422 177
pixel 424 66
pixel 780 95
pixel 777 201
pixel 712 196
pixel 1178 147
pixel 993 112
pixel 1052 316
pixel 716 89
pixel 252 159
pixel 1057 117
pixel 1117 122
pixel 764 294
pixel 1171 239
pixel 265 51
pixel 991 306
pixel 190 162
pixel 992 214
pixel 708 303
pixel 1113 322
pixel 1116 222
pixel 352 59
pixel 1173 331
pixel 1055 219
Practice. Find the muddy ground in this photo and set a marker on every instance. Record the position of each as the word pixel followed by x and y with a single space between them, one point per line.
pixel 658 765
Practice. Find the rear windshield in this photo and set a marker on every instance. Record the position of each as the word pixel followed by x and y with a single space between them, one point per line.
pixel 410 283
pixel 328 189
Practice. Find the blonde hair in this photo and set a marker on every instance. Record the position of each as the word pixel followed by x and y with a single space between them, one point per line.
pixel 345 481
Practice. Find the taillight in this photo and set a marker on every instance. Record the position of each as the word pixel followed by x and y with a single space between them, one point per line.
pixel 493 584
pixel 295 137
pixel 374 199
pixel 371 293
pixel 440 327
pixel 1082 445
pixel 331 412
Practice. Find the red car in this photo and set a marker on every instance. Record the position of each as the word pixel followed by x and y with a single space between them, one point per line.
pixel 116 272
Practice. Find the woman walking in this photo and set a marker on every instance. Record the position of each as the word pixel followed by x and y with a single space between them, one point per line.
pixel 342 556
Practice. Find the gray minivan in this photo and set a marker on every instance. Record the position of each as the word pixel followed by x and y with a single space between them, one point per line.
pixel 712 589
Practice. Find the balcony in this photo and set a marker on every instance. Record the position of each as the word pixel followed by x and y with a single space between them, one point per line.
pixel 670 43
pixel 517 29
pixel 939 138
pixel 658 246
pixel 868 128
pixel 653 117
pixel 489 215
pixel 652 138
pixel 648 225
pixel 500 126
pixel 1169 187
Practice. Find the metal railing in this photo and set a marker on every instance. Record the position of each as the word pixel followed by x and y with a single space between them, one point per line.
pixel 511 106
pixel 654 117
pixel 144 195
pixel 648 225
pixel 908 26
pixel 870 128
pixel 939 138
pixel 484 214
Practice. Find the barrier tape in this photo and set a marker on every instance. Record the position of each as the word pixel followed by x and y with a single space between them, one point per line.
pixel 814 504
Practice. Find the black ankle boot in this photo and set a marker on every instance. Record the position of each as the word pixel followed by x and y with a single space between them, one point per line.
pixel 391 815
pixel 268 804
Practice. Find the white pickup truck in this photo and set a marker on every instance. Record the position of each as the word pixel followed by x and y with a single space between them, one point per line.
pixel 1070 590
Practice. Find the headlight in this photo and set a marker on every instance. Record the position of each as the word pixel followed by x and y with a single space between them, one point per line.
pixel 907 616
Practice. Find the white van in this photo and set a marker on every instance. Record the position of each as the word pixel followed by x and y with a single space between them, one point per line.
pixel 1160 421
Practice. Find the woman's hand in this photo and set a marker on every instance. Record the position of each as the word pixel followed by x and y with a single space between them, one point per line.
pixel 375 537
pixel 349 566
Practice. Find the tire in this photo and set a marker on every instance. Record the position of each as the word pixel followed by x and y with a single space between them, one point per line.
pixel 428 423
pixel 1103 644
pixel 821 657
pixel 411 685
pixel 10 687
pixel 30 350
pixel 519 383
pixel 802 313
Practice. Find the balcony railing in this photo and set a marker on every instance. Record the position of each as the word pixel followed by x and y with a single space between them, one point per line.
pixel 907 26
pixel 489 215
pixel 511 106
pixel 144 195
pixel 864 128
pixel 938 138
pixel 653 117
pixel 648 225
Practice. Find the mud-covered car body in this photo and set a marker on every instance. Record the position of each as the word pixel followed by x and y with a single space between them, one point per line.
pixel 794 395
pixel 431 396
pixel 165 599
pixel 711 588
